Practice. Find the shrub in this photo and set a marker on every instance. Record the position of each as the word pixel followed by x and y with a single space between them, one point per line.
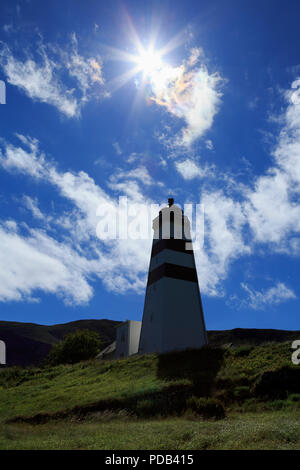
pixel 276 405
pixel 147 408
pixel 79 346
pixel 206 407
pixel 250 405
pixel 242 351
pixel 294 397
pixel 241 392
pixel 160 406
pixel 277 383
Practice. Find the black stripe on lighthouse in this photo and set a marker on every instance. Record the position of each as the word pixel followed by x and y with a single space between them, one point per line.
pixel 176 244
pixel 174 271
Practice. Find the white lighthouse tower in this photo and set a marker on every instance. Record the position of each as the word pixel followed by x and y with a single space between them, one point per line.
pixel 173 315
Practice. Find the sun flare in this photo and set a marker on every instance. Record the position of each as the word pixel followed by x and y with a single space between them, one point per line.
pixel 149 62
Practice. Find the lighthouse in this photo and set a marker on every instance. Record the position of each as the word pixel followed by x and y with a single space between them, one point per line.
pixel 173 315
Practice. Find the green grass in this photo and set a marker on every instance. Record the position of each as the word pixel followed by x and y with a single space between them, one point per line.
pixel 87 389
pixel 64 387
pixel 247 431
pixel 31 391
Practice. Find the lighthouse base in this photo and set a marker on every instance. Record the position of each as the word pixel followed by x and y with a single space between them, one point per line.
pixel 173 317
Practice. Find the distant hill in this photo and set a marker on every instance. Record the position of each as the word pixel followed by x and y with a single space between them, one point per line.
pixel 251 336
pixel 29 343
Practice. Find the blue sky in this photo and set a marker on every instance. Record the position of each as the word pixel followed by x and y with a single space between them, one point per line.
pixel 198 100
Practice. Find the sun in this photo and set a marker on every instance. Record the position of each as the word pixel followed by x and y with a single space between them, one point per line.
pixel 148 62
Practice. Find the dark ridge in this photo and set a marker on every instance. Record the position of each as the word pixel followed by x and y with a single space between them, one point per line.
pixel 250 336
pixel 29 343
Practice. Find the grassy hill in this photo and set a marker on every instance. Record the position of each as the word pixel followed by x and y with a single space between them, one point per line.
pixel 157 401
pixel 29 343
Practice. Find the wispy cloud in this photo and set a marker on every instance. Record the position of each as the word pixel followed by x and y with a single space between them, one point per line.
pixel 189 169
pixel 26 160
pixel 41 75
pixel 139 173
pixel 209 145
pixel 259 300
pixel 32 205
pixel 117 148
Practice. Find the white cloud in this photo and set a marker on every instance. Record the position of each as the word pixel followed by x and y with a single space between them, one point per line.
pixel 32 205
pixel 224 243
pixel 117 148
pixel 133 157
pixel 42 78
pixel 128 188
pixel 195 54
pixel 24 161
pixel 128 182
pixel 271 213
pixel 37 262
pixel 139 173
pixel 11 225
pixel 258 300
pixel 39 82
pixel 120 264
pixel 86 71
pixel 188 92
pixel 270 208
pixel 209 145
pixel 189 169
pixel 273 205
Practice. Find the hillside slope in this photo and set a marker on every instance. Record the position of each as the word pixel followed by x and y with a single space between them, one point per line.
pixel 150 383
pixel 145 402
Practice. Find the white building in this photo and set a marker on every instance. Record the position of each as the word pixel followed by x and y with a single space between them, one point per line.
pixel 127 339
